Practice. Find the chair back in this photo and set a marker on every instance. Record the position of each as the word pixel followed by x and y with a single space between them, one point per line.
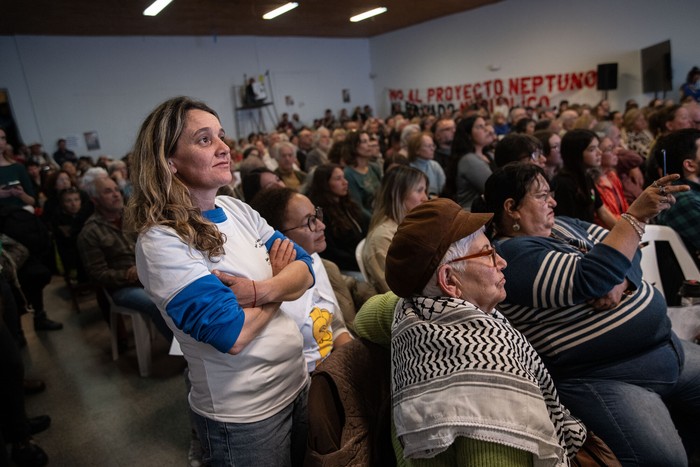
pixel 651 271
pixel 358 257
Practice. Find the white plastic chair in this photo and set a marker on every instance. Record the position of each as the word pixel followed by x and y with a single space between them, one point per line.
pixel 649 263
pixel 142 334
pixel 358 257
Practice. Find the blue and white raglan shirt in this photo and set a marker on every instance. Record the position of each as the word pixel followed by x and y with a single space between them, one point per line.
pixel 549 282
pixel 318 316
pixel 206 318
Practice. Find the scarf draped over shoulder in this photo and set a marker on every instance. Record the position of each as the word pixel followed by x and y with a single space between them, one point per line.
pixel 457 371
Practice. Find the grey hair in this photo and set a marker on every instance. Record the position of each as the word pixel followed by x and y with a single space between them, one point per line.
pixel 408 131
pixel 456 250
pixel 87 181
pixel 316 137
pixel 275 149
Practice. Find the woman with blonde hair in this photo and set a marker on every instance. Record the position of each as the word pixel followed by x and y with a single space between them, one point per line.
pixel 635 132
pixel 402 189
pixel 421 154
pixel 248 376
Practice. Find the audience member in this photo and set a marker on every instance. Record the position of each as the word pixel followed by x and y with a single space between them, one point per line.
pixel 519 147
pixel 607 183
pixel 576 292
pixel 551 149
pixel 321 142
pixel 317 312
pixel 362 175
pixel 450 279
pixel 66 224
pixel 15 185
pixel 54 184
pixel 468 166
pixel 346 223
pixel 249 380
pixel 444 132
pixel 691 87
pixel 635 132
pixel 63 154
pixel 421 153
pixel 119 172
pixel 258 180
pixel 285 155
pixel 682 149
pixel 574 189
pixel 402 189
pixel 108 252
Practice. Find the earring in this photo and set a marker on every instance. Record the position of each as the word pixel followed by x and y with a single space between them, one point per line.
pixel 516 226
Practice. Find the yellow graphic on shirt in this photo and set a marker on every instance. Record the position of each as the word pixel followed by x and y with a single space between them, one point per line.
pixel 323 335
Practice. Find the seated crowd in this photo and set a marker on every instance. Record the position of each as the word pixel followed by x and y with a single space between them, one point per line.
pixel 434 242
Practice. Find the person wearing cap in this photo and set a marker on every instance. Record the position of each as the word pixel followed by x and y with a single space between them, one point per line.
pixel 467 388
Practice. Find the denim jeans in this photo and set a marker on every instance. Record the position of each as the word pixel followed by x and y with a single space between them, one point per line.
pixel 638 406
pixel 278 441
pixel 137 299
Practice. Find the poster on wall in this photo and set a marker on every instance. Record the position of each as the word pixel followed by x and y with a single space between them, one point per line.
pixel 534 91
pixel 92 140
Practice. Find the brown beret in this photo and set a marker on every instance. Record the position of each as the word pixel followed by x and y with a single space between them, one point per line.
pixel 422 240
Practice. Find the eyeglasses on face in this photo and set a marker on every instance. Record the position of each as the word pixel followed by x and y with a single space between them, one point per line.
pixel 535 154
pixel 489 252
pixel 311 221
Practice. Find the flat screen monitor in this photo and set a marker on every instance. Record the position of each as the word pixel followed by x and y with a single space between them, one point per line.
pixel 656 68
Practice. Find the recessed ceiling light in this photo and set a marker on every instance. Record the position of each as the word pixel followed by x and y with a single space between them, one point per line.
pixel 156 7
pixel 368 14
pixel 280 11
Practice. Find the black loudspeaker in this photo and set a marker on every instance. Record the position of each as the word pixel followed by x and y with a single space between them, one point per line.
pixel 607 76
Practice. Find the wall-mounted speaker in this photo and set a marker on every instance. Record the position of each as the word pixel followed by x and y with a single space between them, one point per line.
pixel 607 76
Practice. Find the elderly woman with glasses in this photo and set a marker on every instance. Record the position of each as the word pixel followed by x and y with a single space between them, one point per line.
pixel 467 388
pixel 575 290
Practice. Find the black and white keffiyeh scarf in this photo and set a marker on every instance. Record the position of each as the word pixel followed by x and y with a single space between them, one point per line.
pixel 457 371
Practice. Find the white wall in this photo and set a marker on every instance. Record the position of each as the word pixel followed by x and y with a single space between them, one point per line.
pixel 64 86
pixel 530 37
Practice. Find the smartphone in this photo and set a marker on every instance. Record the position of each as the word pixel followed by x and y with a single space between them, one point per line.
pixel 663 153
pixel 12 184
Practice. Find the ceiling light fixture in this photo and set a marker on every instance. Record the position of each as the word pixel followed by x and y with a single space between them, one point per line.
pixel 368 14
pixel 156 7
pixel 280 11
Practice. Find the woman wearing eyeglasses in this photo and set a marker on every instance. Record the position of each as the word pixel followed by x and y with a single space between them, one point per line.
pixel 346 222
pixel 467 388
pixel 317 312
pixel 575 290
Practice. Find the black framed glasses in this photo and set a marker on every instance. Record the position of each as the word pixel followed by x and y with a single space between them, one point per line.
pixel 311 221
pixel 489 252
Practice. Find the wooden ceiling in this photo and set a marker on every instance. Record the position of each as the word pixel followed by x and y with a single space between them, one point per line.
pixel 312 18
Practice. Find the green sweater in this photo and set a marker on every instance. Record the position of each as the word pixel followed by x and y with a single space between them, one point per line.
pixel 373 322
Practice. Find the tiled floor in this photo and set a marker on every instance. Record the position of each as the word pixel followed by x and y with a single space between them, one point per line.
pixel 103 413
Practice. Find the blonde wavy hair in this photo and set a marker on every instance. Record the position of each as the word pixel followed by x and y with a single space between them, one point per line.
pixel 158 197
